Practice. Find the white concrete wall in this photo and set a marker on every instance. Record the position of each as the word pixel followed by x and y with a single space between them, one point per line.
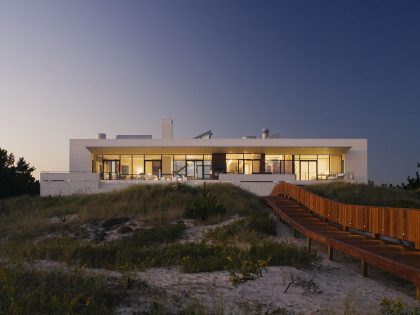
pixel 80 156
pixel 259 184
pixel 356 161
pixel 64 184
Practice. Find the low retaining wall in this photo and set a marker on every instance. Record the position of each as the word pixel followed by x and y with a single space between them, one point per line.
pixel 65 184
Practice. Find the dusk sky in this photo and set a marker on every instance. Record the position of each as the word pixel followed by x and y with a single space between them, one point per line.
pixel 304 69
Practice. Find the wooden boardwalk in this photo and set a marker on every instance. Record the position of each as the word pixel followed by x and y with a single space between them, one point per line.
pixel 389 257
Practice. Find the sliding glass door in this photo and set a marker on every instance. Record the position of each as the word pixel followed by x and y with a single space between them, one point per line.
pixel 195 169
pixel 307 170
pixel 153 167
pixel 111 169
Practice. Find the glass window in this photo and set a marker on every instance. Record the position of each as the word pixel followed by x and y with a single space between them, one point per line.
pixel 153 157
pixel 335 164
pixel 232 166
pixel 323 166
pixel 240 166
pixel 166 164
pixel 248 167
pixel 256 166
pixel 126 165
pixel 234 156
pixel 288 167
pixel 97 165
pixel 179 157
pixel 297 170
pixel 194 157
pixel 270 157
pixel 252 156
pixel 138 164
pixel 268 167
pixel 179 167
pixel 111 157
pixel 308 157
pixel 207 157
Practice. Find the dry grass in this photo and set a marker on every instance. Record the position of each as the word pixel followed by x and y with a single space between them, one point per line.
pixel 364 194
pixel 27 217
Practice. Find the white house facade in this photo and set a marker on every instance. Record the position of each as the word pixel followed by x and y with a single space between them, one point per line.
pixel 257 164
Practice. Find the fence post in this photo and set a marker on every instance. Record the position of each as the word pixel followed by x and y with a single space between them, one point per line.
pixel 364 267
pixel 330 253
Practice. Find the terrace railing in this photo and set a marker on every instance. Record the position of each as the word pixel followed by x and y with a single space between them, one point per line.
pixel 398 223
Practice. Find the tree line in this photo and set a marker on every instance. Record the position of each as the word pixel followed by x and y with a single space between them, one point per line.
pixel 16 176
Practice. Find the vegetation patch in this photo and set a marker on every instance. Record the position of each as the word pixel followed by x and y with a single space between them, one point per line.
pixel 203 207
pixel 263 223
pixel 367 194
pixel 396 307
pixel 242 266
pixel 55 292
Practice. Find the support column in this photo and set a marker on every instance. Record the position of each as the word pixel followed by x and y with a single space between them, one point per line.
pixel 330 253
pixel 309 243
pixel 364 267
pixel 294 232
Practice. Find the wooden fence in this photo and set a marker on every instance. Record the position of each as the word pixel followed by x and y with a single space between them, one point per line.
pixel 399 223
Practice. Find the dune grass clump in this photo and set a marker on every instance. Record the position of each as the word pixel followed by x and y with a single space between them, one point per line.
pixel 366 194
pixel 396 307
pixel 55 292
pixel 203 207
pixel 132 250
pixel 263 223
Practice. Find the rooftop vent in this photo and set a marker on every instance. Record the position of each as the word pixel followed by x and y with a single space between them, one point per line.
pixel 133 137
pixel 265 133
pixel 101 135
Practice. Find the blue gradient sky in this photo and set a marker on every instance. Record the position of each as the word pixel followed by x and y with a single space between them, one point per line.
pixel 327 69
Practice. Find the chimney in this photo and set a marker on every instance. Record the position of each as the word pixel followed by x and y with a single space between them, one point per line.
pixel 265 133
pixel 167 129
pixel 101 135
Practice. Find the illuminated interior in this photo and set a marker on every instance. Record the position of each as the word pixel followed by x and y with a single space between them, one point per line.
pixel 199 166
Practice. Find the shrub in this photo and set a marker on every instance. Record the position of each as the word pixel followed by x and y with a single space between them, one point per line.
pixel 263 223
pixel 285 254
pixel 198 257
pixel 204 206
pixel 392 307
pixel 396 307
pixel 243 267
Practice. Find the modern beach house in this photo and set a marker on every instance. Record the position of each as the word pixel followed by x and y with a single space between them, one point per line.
pixel 257 164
